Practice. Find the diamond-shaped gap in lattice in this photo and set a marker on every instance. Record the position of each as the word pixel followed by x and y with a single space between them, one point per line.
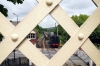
pixel 16 58
pixel 44 34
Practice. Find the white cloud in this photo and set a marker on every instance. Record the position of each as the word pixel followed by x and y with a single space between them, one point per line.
pixel 48 21
pixel 72 7
pixel 20 9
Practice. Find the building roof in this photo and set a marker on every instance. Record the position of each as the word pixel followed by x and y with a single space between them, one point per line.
pixel 14 22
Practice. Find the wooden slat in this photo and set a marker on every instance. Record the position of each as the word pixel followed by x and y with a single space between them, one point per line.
pixel 26 47
pixel 74 43
pixel 72 29
pixel 92 51
pixel 4 23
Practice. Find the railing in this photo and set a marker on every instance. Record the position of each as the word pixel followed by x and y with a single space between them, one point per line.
pixel 14 37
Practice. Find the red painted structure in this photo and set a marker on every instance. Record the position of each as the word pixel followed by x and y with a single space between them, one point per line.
pixel 33 37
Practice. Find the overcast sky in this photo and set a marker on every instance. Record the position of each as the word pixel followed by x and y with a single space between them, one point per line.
pixel 72 7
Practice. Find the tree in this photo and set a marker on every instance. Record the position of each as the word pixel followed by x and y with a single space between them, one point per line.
pixel 39 29
pixel 80 19
pixel 95 36
pixel 16 1
pixel 63 35
pixel 96 33
pixel 4 11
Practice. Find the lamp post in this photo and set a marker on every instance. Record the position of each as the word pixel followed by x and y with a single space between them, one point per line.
pixel 17 17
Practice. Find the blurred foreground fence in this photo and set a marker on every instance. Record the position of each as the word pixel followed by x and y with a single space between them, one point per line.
pixel 21 61
pixel 15 36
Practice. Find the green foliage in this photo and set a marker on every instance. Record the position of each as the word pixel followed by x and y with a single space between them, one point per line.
pixel 16 1
pixel 62 34
pixel 3 10
pixel 39 30
pixel 96 33
pixel 81 19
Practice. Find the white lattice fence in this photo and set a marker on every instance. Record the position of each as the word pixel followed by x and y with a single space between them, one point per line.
pixel 15 36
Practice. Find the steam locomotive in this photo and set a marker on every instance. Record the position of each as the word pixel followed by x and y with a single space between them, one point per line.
pixel 53 40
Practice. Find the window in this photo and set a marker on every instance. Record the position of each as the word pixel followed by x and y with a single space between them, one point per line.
pixel 31 36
